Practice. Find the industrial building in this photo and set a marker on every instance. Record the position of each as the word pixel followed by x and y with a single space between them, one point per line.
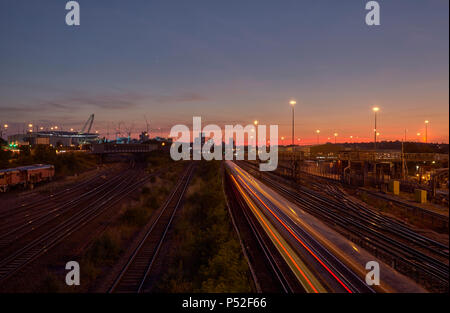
pixel 54 138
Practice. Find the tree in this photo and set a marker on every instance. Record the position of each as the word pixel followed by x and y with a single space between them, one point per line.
pixel 44 154
pixel 5 155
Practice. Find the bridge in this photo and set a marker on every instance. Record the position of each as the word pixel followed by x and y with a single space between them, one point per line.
pixel 108 148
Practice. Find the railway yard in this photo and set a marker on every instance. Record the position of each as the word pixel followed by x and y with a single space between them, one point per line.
pixel 405 249
pixel 123 222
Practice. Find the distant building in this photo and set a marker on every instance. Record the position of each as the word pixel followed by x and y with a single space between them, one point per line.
pixel 54 138
pixel 144 136
pixel 17 140
pixel 39 141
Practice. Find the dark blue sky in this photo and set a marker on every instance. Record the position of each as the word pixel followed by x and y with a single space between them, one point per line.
pixel 228 61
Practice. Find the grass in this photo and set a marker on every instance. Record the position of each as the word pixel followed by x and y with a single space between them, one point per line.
pixel 206 252
pixel 51 284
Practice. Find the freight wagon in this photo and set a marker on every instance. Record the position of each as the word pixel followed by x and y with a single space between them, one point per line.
pixel 25 176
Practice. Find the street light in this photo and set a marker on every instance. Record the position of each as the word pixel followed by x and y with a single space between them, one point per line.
pixel 418 135
pixel 255 122
pixel 1 130
pixel 375 110
pixel 335 136
pixel 426 131
pixel 318 132
pixel 292 103
pixel 282 140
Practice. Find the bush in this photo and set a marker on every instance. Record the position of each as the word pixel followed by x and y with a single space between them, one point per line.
pixel 207 256
pixel 51 284
pixel 136 216
pixel 104 250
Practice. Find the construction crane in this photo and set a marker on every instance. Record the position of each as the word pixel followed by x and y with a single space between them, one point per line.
pixel 129 130
pixel 90 121
pixel 146 123
pixel 118 133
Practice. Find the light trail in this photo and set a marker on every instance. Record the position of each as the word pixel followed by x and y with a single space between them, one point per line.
pixel 276 237
pixel 296 237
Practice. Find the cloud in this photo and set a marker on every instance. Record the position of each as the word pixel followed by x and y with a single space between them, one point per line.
pixel 73 102
pixel 101 101
pixel 109 101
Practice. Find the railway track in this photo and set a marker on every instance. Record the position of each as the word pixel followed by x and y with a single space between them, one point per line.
pixel 17 260
pixel 271 271
pixel 133 275
pixel 25 209
pixel 24 225
pixel 397 229
pixel 374 232
pixel 334 274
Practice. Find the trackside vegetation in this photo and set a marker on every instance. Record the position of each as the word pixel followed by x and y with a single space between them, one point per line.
pixel 66 164
pixel 206 255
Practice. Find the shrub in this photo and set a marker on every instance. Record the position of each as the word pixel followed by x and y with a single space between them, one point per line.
pixel 136 216
pixel 51 284
pixel 104 250
pixel 207 256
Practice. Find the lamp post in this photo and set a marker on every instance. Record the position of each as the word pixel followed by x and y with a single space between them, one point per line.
pixel 426 131
pixel 318 132
pixel 5 127
pixel 256 132
pixel 335 136
pixel 375 110
pixel 292 103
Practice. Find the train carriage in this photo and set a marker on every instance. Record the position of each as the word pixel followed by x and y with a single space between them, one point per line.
pixel 25 176
pixel 10 177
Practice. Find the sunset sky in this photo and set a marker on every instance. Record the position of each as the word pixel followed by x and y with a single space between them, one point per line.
pixel 230 62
